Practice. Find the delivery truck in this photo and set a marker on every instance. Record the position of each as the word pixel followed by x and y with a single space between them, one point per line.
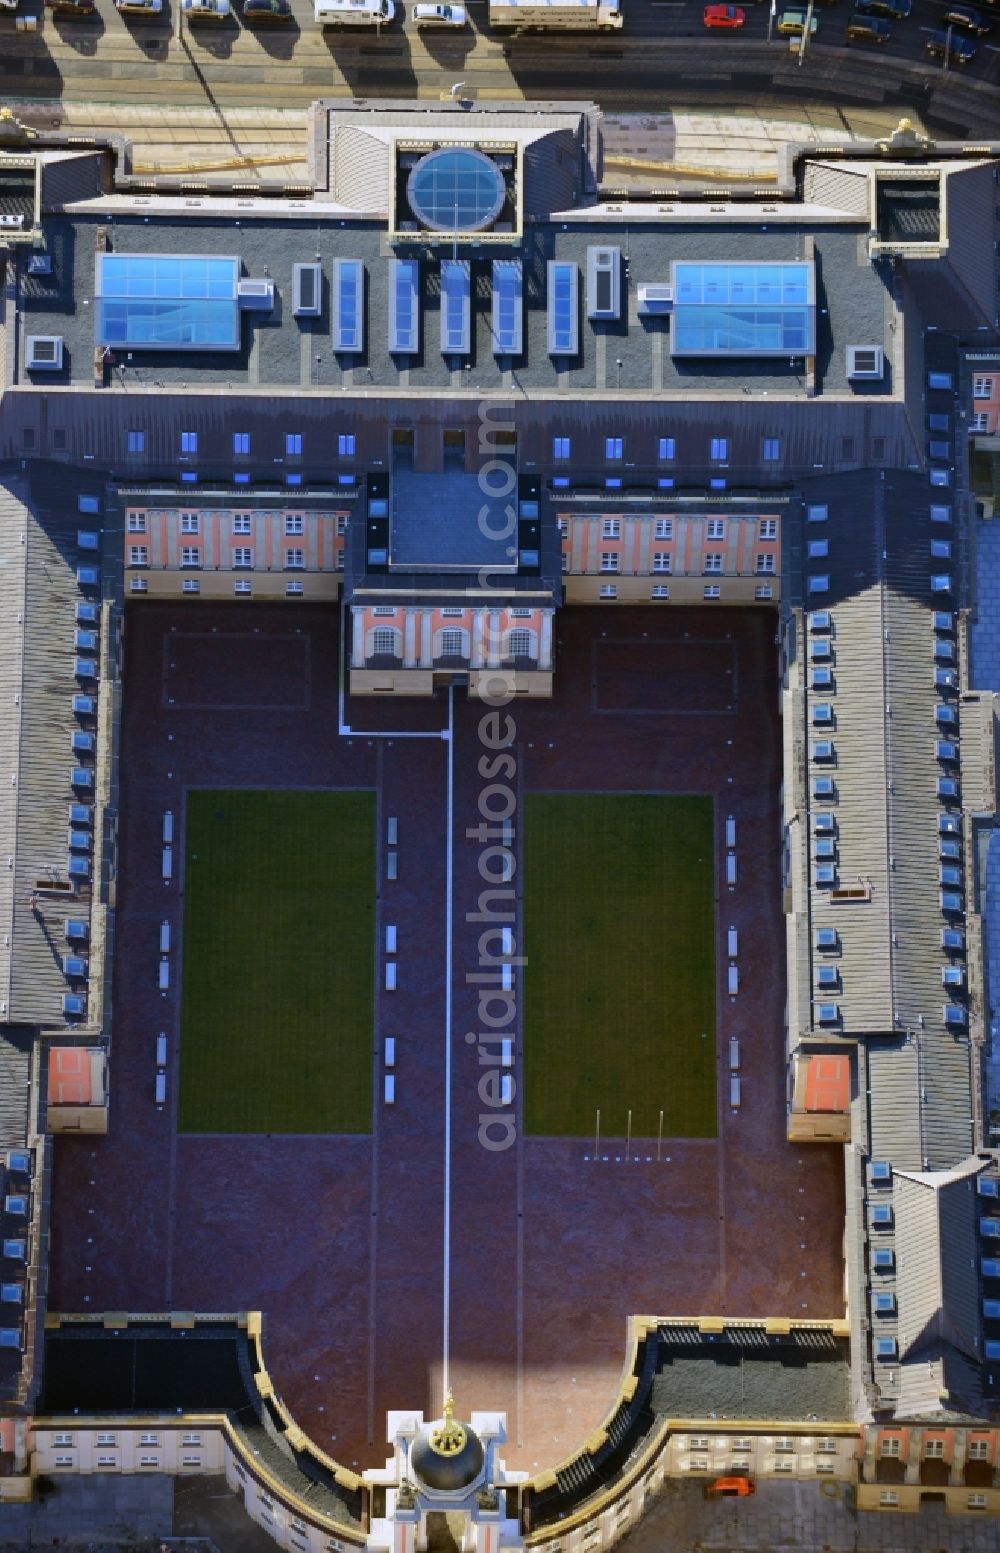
pixel 354 13
pixel 556 15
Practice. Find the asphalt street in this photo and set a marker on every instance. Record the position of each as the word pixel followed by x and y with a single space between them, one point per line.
pixel 662 59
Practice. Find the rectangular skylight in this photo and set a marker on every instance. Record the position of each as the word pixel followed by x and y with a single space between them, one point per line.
pixel 563 311
pixel 507 307
pixel 348 306
pixel 723 309
pixel 166 302
pixel 456 307
pixel 404 306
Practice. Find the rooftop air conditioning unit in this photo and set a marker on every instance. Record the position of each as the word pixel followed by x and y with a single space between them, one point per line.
pixel 655 298
pixel 604 267
pixel 865 363
pixel 255 293
pixel 307 285
pixel 44 352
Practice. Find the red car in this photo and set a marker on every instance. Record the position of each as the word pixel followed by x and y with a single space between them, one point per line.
pixel 724 16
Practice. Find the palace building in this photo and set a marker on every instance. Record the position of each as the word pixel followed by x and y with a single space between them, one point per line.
pixel 453 387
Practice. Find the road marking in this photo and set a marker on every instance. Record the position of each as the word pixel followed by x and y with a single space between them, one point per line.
pixel 449 861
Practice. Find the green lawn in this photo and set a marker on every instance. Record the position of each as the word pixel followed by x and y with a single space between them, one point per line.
pixel 277 983
pixel 619 988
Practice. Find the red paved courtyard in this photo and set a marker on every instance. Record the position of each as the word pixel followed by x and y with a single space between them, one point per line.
pixel 339 1240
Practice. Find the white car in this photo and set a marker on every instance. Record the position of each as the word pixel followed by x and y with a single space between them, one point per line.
pixel 439 15
pixel 211 10
pixel 139 7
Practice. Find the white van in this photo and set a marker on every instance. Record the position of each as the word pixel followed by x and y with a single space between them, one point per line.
pixel 439 15
pixel 354 13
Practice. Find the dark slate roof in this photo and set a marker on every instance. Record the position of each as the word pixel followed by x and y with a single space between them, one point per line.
pixel 280 350
pixel 746 1373
pixel 152 1369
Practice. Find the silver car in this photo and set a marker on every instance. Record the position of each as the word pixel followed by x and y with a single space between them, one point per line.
pixel 206 10
pixel 439 15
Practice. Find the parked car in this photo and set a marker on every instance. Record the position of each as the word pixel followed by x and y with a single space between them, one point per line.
pixel 867 29
pixel 724 16
pixel 139 7
pixel 440 15
pixel 969 19
pixel 71 7
pixel 206 10
pixel 951 46
pixel 893 10
pixel 267 13
pixel 793 24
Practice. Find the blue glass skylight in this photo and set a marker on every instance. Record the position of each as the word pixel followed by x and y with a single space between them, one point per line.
pixel 456 189
pixel 723 309
pixel 163 302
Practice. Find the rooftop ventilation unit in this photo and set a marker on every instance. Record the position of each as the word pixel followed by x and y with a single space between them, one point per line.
pixel 655 299
pixel 307 290
pixel 865 363
pixel 44 352
pixel 604 282
pixel 257 294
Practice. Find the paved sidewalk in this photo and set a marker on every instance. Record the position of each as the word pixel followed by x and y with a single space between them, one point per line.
pixel 800 1518
pixel 192 140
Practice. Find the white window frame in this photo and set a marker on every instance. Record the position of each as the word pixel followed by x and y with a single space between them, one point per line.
pixel 295 590
pixel 242 522
pixel 452 643
pixel 982 387
pixel 978 1450
pixel 660 590
pixel 763 591
pixel 712 590
pixel 663 528
pixel 136 522
pixel 608 590
pixel 891 1448
pixel 190 556
pixel 523 638
pixel 138 555
pixel 149 1439
pixel 765 563
pixel 191 585
pixel 190 523
pixel 138 585
pixel 295 559
pixel 243 558
pixel 65 1440
pixel 611 528
pixel 610 561
pixel 715 528
pixel 663 561
pixel 243 586
pixel 981 420
pixel 934 1450
pixel 767 528
pixel 294 523
pixel 712 564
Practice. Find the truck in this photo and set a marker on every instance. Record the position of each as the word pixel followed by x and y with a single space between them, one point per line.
pixel 556 15
pixel 354 13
